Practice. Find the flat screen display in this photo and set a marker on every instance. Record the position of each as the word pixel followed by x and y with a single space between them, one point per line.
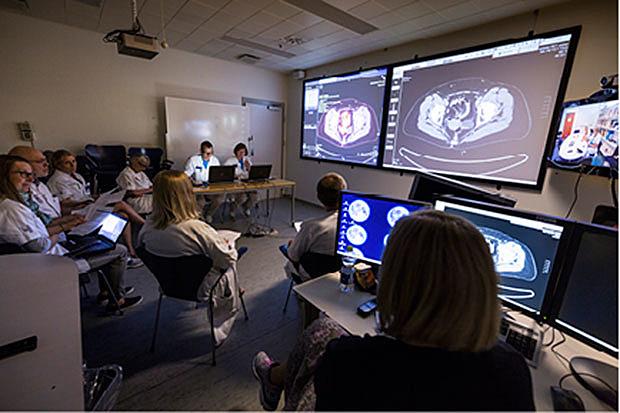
pixel 589 304
pixel 365 222
pixel 484 114
pixel 587 136
pixel 342 117
pixel 524 251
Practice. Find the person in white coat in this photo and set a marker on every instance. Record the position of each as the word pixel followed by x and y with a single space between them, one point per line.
pixel 137 185
pixel 197 168
pixel 247 200
pixel 68 185
pixel 21 226
pixel 175 230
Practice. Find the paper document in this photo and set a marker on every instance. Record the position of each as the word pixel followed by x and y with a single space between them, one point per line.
pixel 110 197
pixel 91 225
pixel 297 225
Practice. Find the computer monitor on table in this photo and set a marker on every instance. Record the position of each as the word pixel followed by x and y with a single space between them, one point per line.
pixel 429 187
pixel 365 222
pixel 527 249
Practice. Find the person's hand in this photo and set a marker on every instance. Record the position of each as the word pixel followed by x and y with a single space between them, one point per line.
pixel 290 241
pixel 246 164
pixel 78 219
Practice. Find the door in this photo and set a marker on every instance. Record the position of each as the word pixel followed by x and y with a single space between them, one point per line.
pixel 265 143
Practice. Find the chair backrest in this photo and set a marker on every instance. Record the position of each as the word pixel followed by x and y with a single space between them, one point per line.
pixel 320 264
pixel 107 157
pixel 178 277
pixel 9 248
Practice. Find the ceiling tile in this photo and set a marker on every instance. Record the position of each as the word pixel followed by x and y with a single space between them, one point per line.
pixel 414 10
pixel 262 20
pixel 460 10
pixel 181 26
pixel 202 36
pixel 280 9
pixel 487 5
pixel 510 9
pixel 82 21
pixel 173 37
pixel 150 23
pixel 394 4
pixel 213 47
pixel 188 45
pixel 216 25
pixel 345 4
pixel 280 30
pixel 368 10
pixel 417 24
pixel 318 30
pixel 305 19
pixel 227 19
pixel 75 7
pixel 241 9
pixel 52 9
pixel 387 19
pixel 239 34
pixel 441 4
pixel 218 4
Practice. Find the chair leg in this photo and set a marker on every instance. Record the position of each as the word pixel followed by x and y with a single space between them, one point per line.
pixel 245 312
pixel 112 294
pixel 152 349
pixel 85 291
pixel 288 295
pixel 213 343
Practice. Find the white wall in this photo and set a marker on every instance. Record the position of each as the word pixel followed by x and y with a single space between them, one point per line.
pixel 596 56
pixel 75 89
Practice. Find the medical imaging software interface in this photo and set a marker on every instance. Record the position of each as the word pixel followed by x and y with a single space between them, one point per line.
pixel 342 117
pixel 484 114
pixel 588 135
pixel 523 251
pixel 590 303
pixel 366 222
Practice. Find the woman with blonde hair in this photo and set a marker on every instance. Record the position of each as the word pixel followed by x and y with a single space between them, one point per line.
pixel 175 230
pixel 438 317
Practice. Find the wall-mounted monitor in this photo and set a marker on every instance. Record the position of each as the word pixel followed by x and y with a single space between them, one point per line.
pixel 342 117
pixel 483 113
pixel 587 136
pixel 527 250
pixel 365 222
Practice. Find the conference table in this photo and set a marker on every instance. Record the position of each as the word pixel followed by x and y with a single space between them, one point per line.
pixel 238 186
pixel 324 294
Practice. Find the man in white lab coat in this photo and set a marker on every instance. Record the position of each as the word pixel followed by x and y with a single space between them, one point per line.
pixel 197 168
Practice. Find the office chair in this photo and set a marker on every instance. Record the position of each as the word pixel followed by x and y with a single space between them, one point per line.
pixel 105 162
pixel 180 278
pixel 156 155
pixel 315 265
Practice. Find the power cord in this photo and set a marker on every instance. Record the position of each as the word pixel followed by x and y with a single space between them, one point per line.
pixel 552 337
pixel 559 356
pixel 566 376
pixel 575 193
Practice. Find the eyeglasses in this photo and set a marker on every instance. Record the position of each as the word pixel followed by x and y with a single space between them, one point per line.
pixel 207 153
pixel 24 174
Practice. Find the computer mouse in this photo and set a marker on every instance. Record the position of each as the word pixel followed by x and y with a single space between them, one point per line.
pixel 566 400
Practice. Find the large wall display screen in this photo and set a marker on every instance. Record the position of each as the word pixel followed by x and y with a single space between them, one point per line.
pixel 342 117
pixel 483 114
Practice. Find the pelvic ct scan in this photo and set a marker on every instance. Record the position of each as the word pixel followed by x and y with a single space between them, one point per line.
pixel 342 117
pixel 365 224
pixel 483 114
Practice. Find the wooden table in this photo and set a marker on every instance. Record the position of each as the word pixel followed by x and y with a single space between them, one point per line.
pixel 238 186
pixel 324 294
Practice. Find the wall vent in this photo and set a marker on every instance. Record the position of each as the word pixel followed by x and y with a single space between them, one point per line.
pixel 248 58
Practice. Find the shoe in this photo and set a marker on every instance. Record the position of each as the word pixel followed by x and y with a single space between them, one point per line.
pixel 103 298
pixel 233 216
pixel 248 212
pixel 209 219
pixel 128 302
pixel 134 262
pixel 269 393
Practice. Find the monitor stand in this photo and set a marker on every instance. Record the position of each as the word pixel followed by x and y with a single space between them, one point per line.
pixel 598 377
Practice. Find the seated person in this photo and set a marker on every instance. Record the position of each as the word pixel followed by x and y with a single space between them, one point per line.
pixel 175 230
pixel 439 320
pixel 197 168
pixel 317 235
pixel 70 186
pixel 137 184
pixel 19 225
pixel 247 200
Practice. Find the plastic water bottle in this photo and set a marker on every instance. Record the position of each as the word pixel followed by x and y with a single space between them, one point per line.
pixel 347 273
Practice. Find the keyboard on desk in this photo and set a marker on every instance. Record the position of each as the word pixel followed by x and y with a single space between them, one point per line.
pixel 523 339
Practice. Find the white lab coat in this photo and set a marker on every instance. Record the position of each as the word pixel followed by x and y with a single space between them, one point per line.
pixel 64 186
pixel 239 173
pixel 129 179
pixel 194 167
pixel 48 203
pixel 19 225
pixel 193 237
pixel 315 235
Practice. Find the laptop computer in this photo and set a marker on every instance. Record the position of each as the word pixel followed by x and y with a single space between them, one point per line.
pixel 258 173
pixel 221 174
pixel 104 240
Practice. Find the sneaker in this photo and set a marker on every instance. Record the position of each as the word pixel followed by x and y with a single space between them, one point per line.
pixel 269 393
pixel 128 302
pixel 103 298
pixel 248 212
pixel 129 290
pixel 134 262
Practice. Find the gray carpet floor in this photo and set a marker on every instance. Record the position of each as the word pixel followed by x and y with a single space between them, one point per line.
pixel 179 374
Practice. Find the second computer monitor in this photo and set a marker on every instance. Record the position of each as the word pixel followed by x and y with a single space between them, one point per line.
pixel 525 248
pixel 365 222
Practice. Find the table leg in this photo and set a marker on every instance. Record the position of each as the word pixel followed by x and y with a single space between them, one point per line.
pixel 268 200
pixel 293 205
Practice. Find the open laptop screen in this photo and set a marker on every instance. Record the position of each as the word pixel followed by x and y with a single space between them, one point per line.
pixel 111 227
pixel 365 222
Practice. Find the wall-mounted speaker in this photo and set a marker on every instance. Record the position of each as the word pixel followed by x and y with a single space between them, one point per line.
pixel 298 74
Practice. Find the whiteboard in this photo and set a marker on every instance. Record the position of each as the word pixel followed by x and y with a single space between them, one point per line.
pixel 189 122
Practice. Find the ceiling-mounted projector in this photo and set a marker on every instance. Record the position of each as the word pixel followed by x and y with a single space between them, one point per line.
pixel 137 45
